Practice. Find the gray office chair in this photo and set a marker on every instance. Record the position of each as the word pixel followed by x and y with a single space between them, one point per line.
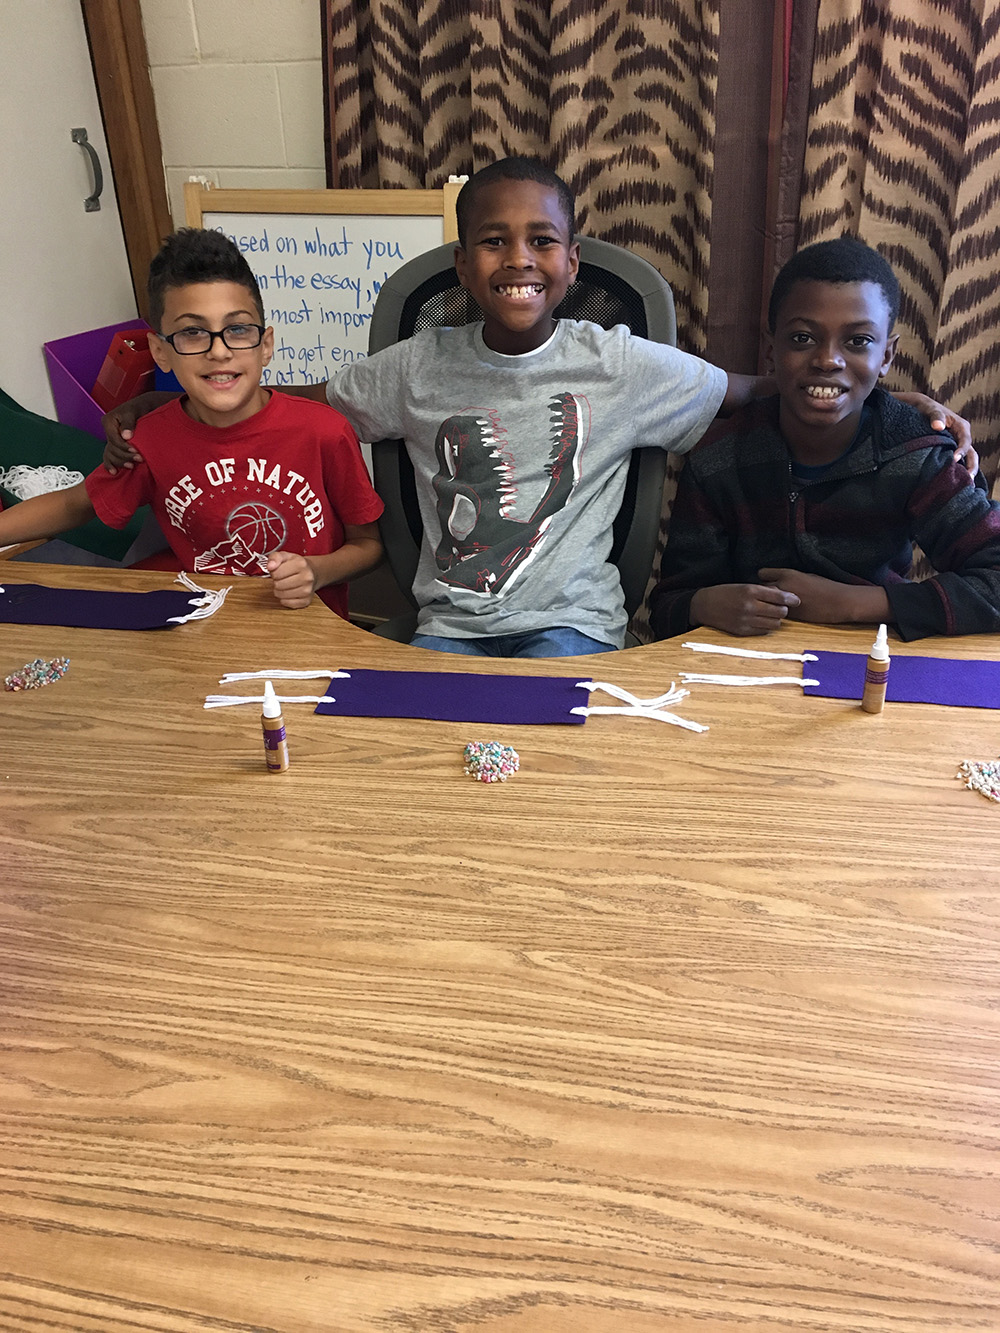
pixel 613 286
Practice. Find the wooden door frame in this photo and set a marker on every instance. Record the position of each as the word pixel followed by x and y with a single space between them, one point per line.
pixel 125 91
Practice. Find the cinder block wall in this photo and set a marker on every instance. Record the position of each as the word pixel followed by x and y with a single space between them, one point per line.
pixel 239 92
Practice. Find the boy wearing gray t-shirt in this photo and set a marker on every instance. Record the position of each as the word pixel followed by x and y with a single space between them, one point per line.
pixel 520 431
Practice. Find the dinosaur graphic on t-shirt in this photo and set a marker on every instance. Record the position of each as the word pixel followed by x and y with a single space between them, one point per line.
pixel 482 548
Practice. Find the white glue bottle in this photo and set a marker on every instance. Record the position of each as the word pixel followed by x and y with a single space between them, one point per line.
pixel 275 744
pixel 876 674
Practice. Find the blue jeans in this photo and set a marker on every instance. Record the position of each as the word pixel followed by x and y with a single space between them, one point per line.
pixel 559 642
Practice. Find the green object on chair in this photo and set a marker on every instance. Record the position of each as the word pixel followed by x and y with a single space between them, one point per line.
pixel 38 442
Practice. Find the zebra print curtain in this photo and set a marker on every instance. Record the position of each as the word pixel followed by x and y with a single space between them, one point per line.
pixel 619 99
pixel 644 107
pixel 902 150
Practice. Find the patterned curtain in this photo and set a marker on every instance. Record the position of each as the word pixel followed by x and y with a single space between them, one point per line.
pixel 901 149
pixel 618 98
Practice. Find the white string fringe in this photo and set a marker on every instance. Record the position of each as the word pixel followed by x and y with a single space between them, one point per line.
pixel 636 707
pixel 276 673
pixel 26 482
pixel 700 678
pixel 205 605
pixel 227 700
pixel 321 673
pixel 750 652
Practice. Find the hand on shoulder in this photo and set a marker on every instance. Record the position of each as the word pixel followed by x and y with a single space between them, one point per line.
pixel 944 419
pixel 119 425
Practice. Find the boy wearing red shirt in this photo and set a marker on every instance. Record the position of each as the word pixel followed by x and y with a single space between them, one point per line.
pixel 242 481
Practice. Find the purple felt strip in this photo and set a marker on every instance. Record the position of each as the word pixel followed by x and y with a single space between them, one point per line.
pixel 84 608
pixel 455 697
pixel 912 680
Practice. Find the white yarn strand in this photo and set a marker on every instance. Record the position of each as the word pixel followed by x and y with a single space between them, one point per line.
pixel 320 673
pixel 700 678
pixel 26 482
pixel 655 714
pixel 205 605
pixel 672 696
pixel 276 673
pixel 636 707
pixel 750 652
pixel 228 700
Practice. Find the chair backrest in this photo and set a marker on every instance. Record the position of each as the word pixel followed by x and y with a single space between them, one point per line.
pixel 613 286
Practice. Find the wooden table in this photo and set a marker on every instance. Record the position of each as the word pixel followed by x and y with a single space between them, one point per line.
pixel 670 1032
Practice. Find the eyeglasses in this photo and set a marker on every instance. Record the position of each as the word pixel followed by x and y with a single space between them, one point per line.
pixel 237 337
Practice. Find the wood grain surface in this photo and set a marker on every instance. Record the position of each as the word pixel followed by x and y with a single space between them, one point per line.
pixel 669 1032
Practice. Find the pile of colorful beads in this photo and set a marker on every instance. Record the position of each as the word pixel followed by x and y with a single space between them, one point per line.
pixel 37 673
pixel 488 761
pixel 982 776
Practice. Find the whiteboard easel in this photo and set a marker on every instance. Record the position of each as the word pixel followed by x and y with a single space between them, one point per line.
pixel 321 257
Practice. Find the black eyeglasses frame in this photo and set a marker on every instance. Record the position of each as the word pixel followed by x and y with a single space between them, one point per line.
pixel 217 333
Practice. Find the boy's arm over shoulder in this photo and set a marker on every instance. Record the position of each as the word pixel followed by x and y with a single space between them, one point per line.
pixel 116 496
pixel 120 425
pixel 668 397
pixel 372 393
pixel 348 486
pixel 958 528
pixel 741 390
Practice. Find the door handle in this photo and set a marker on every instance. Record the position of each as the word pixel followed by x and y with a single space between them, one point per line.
pixel 92 204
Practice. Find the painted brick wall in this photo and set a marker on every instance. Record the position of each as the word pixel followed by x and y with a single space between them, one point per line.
pixel 239 92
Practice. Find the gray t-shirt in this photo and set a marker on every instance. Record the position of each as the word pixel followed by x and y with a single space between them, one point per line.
pixel 521 462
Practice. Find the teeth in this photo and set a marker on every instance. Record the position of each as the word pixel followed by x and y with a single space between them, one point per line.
pixel 823 391
pixel 521 293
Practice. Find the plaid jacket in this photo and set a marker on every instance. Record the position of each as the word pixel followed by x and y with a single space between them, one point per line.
pixel 739 509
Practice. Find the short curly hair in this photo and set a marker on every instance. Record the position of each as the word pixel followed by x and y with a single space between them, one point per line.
pixel 844 260
pixel 513 169
pixel 196 255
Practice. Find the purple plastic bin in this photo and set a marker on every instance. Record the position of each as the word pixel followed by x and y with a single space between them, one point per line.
pixel 74 364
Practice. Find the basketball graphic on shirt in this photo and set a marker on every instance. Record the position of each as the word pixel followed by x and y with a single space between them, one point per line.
pixel 260 528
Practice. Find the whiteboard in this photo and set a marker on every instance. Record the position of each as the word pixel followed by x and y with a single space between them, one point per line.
pixel 321 257
pixel 319 277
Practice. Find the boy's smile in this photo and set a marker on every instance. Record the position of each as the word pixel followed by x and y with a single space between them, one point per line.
pixel 518 262
pixel 830 345
pixel 222 384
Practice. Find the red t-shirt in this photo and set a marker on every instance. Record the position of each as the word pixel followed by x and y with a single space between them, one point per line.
pixel 288 478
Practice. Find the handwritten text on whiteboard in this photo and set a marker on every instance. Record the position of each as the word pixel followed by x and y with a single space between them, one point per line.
pixel 319 277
